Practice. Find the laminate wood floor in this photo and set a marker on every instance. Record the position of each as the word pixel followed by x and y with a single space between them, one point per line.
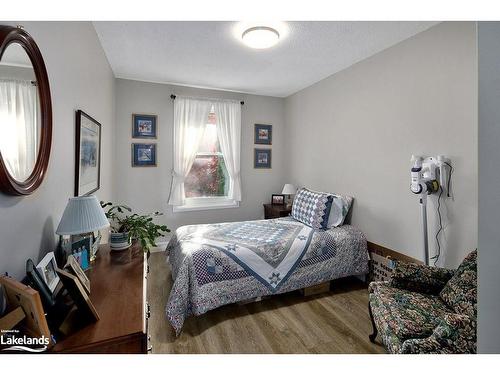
pixel 332 322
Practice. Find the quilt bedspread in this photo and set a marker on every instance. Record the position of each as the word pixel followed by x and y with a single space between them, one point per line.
pixel 217 264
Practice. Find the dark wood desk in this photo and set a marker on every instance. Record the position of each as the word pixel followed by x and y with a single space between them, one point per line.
pixel 118 292
pixel 273 211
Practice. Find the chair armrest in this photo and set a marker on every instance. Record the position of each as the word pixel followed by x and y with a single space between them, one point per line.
pixel 456 333
pixel 420 278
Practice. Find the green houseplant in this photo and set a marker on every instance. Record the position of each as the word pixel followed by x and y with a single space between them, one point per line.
pixel 127 226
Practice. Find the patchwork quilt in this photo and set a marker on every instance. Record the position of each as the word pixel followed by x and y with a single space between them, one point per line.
pixel 217 264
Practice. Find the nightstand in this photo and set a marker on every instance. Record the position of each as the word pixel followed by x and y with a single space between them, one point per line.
pixel 273 211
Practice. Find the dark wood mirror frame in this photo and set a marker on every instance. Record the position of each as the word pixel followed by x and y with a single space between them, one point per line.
pixel 8 184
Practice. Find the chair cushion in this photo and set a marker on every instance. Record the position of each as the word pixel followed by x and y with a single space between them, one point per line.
pixel 409 314
pixel 312 208
pixel 460 293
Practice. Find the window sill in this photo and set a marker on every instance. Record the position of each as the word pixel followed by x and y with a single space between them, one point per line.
pixel 206 204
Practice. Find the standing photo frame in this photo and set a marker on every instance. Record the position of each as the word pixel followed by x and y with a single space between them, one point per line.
pixel 74 267
pixel 47 270
pixel 278 199
pixel 88 154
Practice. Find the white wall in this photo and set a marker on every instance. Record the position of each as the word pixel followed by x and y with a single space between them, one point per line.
pixel 147 189
pixel 489 183
pixel 80 78
pixel 354 133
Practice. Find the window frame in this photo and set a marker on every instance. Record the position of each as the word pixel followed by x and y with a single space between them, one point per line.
pixel 207 203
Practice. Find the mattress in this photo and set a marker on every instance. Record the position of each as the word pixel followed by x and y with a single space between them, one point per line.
pixel 218 264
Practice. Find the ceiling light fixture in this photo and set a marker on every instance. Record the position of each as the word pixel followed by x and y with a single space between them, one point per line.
pixel 260 37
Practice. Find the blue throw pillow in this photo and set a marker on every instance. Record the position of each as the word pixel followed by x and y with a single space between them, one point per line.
pixel 312 208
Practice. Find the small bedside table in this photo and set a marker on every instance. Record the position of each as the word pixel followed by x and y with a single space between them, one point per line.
pixel 273 211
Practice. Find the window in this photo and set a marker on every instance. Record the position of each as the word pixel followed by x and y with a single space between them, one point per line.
pixel 208 176
pixel 207 183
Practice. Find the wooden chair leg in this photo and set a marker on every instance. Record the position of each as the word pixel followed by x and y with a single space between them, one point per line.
pixel 373 336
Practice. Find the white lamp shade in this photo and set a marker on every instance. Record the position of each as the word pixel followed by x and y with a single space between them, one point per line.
pixel 82 215
pixel 289 189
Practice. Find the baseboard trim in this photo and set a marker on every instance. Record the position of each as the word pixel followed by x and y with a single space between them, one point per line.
pixel 386 252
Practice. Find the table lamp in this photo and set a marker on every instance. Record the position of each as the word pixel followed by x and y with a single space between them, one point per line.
pixel 82 216
pixel 289 190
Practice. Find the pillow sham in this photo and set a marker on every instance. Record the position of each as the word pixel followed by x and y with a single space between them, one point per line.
pixel 312 208
pixel 340 208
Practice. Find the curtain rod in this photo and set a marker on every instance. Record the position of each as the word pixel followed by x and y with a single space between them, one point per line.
pixel 175 96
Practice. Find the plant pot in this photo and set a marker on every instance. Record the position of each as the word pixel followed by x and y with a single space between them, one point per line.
pixel 119 241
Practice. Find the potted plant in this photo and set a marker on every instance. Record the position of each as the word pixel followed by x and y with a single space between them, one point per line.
pixel 127 226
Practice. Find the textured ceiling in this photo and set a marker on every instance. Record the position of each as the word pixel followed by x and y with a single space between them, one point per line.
pixel 209 54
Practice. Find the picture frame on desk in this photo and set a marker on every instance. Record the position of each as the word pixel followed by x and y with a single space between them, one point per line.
pixel 47 269
pixel 278 199
pixel 78 294
pixel 74 267
pixel 81 249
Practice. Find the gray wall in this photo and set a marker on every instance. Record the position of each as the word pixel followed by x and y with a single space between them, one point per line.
pixel 80 78
pixel 354 133
pixel 147 189
pixel 489 187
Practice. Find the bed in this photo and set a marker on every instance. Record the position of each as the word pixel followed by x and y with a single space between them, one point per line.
pixel 218 264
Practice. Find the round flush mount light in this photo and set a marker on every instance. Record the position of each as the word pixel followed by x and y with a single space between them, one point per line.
pixel 260 37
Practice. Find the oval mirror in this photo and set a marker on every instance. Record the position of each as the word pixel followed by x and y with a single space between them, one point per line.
pixel 25 113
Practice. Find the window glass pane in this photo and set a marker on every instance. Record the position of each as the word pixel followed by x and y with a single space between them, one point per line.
pixel 207 178
pixel 209 142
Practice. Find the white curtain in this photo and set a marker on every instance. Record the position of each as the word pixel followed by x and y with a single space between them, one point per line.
pixel 190 118
pixel 228 115
pixel 19 133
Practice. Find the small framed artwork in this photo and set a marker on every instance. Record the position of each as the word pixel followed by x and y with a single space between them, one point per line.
pixel 47 269
pixel 262 158
pixel 278 199
pixel 80 250
pixel 143 155
pixel 144 126
pixel 263 134
pixel 78 294
pixel 88 154
pixel 74 267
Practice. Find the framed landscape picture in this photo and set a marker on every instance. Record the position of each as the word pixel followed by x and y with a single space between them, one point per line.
pixel 143 155
pixel 262 158
pixel 144 126
pixel 88 154
pixel 263 134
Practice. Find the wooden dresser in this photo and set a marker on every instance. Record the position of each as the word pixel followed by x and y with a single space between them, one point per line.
pixel 118 292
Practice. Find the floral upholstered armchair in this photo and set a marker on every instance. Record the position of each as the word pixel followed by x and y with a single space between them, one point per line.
pixel 426 309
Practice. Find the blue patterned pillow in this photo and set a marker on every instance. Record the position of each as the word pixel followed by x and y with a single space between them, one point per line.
pixel 312 208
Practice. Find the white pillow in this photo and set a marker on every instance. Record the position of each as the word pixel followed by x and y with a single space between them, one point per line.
pixel 340 208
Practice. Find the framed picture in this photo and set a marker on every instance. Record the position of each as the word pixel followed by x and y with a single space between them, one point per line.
pixel 263 134
pixel 262 158
pixel 78 294
pixel 74 267
pixel 37 282
pixel 143 154
pixel 81 251
pixel 278 199
pixel 47 269
pixel 88 155
pixel 18 294
pixel 144 126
